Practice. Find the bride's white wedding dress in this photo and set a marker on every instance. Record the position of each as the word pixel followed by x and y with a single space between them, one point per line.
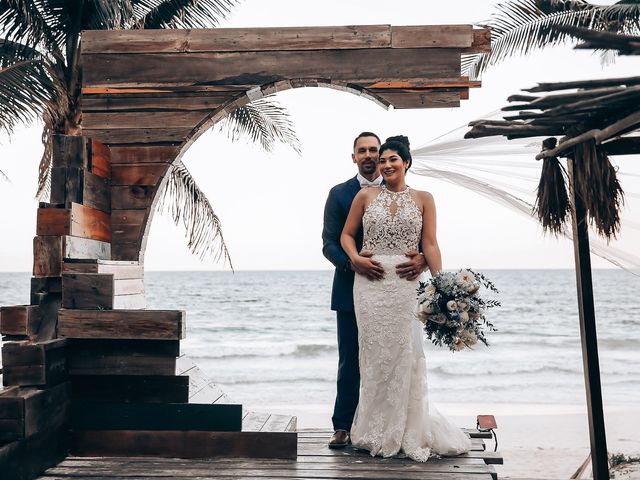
pixel 393 411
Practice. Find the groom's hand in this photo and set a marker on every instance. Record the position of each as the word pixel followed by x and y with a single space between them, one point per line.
pixel 412 268
pixel 368 267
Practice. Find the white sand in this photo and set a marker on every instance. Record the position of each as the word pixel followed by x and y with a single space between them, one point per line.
pixel 536 441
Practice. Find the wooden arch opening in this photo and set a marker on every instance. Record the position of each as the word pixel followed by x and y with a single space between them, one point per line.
pixel 97 362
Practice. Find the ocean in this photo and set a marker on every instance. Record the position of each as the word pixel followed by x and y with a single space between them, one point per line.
pixel 269 338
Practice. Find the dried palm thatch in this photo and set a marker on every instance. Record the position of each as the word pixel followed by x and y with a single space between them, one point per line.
pixel 552 200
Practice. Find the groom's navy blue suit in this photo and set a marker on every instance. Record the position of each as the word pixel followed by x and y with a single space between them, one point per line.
pixel 335 215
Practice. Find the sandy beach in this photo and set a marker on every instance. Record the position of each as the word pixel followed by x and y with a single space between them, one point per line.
pixel 537 441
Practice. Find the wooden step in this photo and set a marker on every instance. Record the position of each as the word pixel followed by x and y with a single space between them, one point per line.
pixel 191 444
pixel 27 411
pixel 122 324
pixel 35 364
pixel 104 415
pixel 131 388
pixel 122 357
pixel 101 291
pixel 20 321
pixel 77 221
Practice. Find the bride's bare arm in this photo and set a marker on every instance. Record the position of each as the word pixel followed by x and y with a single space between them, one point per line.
pixel 430 246
pixel 361 264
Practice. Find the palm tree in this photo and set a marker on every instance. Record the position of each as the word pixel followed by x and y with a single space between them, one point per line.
pixel 40 79
pixel 521 26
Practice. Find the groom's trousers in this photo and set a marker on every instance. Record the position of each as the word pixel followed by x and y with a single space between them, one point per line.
pixel 348 385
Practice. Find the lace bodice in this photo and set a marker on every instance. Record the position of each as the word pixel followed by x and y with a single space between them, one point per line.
pixel 392 223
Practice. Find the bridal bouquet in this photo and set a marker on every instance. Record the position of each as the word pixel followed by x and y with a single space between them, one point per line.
pixel 452 310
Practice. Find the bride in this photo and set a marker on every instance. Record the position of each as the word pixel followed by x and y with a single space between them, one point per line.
pixel 393 412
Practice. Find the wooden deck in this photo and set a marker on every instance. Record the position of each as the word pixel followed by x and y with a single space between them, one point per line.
pixel 315 461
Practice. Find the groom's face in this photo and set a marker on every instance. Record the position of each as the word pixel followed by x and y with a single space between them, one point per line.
pixel 365 155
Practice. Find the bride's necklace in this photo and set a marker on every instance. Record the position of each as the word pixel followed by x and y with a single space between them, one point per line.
pixel 399 192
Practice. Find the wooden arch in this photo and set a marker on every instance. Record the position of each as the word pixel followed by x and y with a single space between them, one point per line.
pixel 149 94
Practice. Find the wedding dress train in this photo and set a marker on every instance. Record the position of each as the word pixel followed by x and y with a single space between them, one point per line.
pixel 393 413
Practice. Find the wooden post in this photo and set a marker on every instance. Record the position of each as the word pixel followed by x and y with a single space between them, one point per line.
pixel 588 337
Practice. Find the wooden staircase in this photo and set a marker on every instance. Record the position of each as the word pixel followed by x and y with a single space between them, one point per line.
pixel 86 368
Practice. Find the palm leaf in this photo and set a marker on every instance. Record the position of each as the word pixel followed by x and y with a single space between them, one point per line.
pixel 521 26
pixel 34 23
pixel 26 93
pixel 183 13
pixel 263 121
pixel 188 205
pixel 12 52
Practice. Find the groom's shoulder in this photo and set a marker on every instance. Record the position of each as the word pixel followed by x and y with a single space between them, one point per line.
pixel 344 186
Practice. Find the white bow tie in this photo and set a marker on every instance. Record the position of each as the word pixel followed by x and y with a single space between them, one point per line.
pixel 364 183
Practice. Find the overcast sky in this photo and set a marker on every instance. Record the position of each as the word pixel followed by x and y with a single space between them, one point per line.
pixel 271 205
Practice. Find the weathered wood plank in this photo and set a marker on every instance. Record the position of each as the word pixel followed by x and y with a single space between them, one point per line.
pixel 123 234
pixel 159 102
pixel 142 119
pixel 254 68
pixel 435 36
pixel 481 41
pixel 132 197
pixel 34 364
pixel 78 221
pixel 421 100
pixel 122 357
pixel 121 136
pixel 184 444
pixel 120 270
pixel 131 388
pixel 107 415
pixel 128 217
pixel 90 223
pixel 122 324
pixel 87 290
pixel 138 174
pixel 86 248
pixel 253 422
pixel 140 154
pixel 20 320
pixel 75 185
pixel 100 159
pixel 48 252
pixel 236 39
pixel 70 151
pixel 25 459
pixel 126 251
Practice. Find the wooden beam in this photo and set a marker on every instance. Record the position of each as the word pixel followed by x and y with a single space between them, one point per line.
pixel 78 221
pixel 142 154
pixel 131 388
pixel 417 99
pixel 20 320
pixel 101 291
pixel 138 174
pixel 235 39
pixel 109 415
pixel 588 335
pixel 119 270
pixel 256 68
pixel 142 119
pixel 162 101
pixel 122 324
pixel 34 364
pixel 132 197
pixel 123 136
pixel 434 36
pixel 185 444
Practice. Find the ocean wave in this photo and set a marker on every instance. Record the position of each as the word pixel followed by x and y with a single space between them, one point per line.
pixel 504 370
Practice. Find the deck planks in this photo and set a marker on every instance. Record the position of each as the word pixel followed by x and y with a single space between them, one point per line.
pixel 315 461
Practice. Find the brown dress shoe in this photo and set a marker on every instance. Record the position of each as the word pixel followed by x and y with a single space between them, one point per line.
pixel 339 439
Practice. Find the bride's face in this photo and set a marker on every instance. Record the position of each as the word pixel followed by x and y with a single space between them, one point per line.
pixel 392 167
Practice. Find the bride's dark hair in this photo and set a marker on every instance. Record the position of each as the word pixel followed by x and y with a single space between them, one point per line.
pixel 400 144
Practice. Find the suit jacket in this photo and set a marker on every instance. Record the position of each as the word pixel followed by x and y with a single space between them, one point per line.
pixel 335 215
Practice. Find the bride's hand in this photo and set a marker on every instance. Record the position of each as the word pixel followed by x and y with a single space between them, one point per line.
pixel 363 264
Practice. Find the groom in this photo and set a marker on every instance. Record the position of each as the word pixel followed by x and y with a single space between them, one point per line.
pixel 365 156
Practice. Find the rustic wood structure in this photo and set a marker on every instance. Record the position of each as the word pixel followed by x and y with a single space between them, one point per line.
pixel 594 118
pixel 314 461
pixel 85 357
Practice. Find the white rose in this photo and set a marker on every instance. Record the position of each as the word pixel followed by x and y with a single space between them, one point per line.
pixel 469 338
pixel 430 290
pixel 464 316
pixel 426 307
pixel 463 306
pixel 452 305
pixel 440 319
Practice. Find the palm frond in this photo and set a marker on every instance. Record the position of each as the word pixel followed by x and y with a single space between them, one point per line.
pixel 34 23
pixel 189 206
pixel 182 13
pixel 26 93
pixel 263 121
pixel 521 26
pixel 12 52
pixel 4 177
